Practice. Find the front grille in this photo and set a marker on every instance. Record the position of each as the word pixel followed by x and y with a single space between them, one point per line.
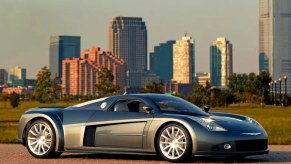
pixel 251 145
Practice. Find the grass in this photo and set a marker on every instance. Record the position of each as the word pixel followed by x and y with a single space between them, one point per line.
pixel 7 113
pixel 276 120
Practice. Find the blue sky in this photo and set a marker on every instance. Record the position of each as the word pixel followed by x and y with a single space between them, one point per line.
pixel 26 25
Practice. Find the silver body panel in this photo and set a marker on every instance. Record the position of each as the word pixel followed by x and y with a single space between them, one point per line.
pixel 89 128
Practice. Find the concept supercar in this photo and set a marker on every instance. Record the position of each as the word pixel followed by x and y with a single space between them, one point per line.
pixel 140 123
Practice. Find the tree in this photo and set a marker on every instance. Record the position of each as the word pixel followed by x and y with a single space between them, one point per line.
pixel 43 85
pixel 105 86
pixel 263 80
pixel 56 88
pixel 250 88
pixel 199 95
pixel 14 100
pixel 154 87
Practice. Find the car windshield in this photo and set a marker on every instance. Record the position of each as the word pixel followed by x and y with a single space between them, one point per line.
pixel 172 104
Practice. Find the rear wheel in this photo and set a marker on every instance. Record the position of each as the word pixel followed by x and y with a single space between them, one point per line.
pixel 173 143
pixel 41 140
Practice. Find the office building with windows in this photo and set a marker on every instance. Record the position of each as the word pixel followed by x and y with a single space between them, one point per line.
pixel 221 62
pixel 3 76
pixel 161 60
pixel 184 60
pixel 128 40
pixel 17 76
pixel 275 38
pixel 62 47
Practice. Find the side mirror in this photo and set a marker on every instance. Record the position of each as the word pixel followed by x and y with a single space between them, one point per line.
pixel 207 108
pixel 147 109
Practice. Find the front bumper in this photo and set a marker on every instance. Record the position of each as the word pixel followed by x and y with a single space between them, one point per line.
pixel 232 143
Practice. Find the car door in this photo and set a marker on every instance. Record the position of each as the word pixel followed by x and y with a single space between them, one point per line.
pixel 124 124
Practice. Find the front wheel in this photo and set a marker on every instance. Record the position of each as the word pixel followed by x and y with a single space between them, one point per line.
pixel 41 140
pixel 174 143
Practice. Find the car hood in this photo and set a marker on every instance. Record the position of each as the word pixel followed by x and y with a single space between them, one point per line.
pixel 227 122
pixel 234 124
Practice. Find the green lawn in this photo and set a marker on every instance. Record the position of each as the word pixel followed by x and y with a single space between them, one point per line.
pixel 9 113
pixel 276 120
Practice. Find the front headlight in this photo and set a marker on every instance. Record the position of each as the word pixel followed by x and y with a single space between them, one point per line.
pixel 253 122
pixel 208 123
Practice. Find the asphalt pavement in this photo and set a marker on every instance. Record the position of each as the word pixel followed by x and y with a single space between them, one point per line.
pixel 16 153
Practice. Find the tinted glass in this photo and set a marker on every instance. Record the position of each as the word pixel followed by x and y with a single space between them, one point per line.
pixel 172 104
pixel 128 106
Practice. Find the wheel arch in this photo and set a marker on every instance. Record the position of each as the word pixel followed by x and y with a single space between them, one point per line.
pixel 56 124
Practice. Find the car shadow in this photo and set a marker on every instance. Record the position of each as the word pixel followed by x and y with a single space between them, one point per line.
pixel 271 157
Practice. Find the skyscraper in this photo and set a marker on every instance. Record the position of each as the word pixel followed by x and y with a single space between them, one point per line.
pixel 17 76
pixel 161 61
pixel 275 38
pixel 128 40
pixel 3 76
pixel 220 62
pixel 62 47
pixel 184 60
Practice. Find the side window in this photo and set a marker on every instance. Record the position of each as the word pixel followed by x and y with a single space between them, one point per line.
pixel 121 106
pixel 128 106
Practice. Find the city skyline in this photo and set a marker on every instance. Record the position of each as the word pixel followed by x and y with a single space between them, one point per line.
pixel 27 42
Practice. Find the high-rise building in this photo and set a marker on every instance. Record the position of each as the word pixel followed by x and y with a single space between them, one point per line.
pixel 3 76
pixel 161 61
pixel 62 47
pixel 110 61
pixel 275 38
pixel 221 60
pixel 128 40
pixel 80 75
pixel 17 76
pixel 184 60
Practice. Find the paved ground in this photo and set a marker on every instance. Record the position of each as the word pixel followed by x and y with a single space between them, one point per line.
pixel 15 153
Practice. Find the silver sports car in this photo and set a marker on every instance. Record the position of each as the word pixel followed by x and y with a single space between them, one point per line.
pixel 140 123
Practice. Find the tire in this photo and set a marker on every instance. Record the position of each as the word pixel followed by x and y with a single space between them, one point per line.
pixel 40 140
pixel 174 143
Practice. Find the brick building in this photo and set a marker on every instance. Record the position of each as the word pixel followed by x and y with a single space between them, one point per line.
pixel 80 75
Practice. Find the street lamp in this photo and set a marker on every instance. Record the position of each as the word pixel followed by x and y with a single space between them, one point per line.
pixel 285 79
pixel 272 97
pixel 280 81
pixel 275 82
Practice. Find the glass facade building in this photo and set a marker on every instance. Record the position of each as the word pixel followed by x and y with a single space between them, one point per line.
pixel 62 47
pixel 221 62
pixel 17 76
pixel 275 38
pixel 161 61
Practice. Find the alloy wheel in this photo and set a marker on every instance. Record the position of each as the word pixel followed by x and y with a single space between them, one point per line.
pixel 39 138
pixel 173 142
